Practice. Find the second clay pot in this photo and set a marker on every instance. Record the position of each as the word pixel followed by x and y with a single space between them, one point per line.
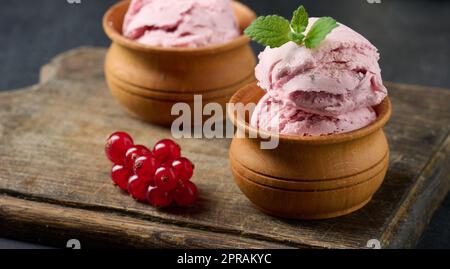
pixel 149 80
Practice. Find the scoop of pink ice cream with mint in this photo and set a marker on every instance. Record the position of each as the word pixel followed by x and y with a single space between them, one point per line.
pixel 175 23
pixel 326 90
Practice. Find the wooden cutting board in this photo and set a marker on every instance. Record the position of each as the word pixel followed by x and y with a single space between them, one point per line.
pixel 55 185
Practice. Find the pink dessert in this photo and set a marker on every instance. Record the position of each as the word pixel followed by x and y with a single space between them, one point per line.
pixel 274 115
pixel 175 23
pixel 326 90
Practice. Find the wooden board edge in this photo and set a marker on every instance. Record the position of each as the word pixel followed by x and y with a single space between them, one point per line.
pixel 47 72
pixel 55 225
pixel 424 198
pixel 50 70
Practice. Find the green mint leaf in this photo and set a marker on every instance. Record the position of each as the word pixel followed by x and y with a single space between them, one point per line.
pixel 321 28
pixel 299 20
pixel 272 31
pixel 297 38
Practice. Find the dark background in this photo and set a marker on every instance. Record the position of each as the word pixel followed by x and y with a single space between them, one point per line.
pixel 413 37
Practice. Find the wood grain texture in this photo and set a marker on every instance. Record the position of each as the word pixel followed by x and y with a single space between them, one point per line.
pixel 53 175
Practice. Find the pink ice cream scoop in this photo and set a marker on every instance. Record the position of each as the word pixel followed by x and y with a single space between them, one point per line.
pixel 326 90
pixel 175 23
pixel 276 116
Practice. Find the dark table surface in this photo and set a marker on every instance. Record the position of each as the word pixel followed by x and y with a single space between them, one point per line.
pixel 413 37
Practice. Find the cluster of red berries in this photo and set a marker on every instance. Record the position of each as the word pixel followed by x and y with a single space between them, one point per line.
pixel 158 177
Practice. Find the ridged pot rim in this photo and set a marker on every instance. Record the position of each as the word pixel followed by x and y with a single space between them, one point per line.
pixel 384 113
pixel 117 37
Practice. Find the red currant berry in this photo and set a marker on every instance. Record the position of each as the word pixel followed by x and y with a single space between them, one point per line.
pixel 185 194
pixel 158 197
pixel 116 147
pixel 135 152
pixel 145 166
pixel 138 187
pixel 166 178
pixel 166 150
pixel 184 168
pixel 120 176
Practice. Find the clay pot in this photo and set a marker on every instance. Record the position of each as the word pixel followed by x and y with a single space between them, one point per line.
pixel 309 177
pixel 149 80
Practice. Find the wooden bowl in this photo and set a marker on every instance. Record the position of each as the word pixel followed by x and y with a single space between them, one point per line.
pixel 309 177
pixel 149 80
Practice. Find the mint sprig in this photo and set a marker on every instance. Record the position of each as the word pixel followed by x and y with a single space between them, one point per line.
pixel 271 30
pixel 299 20
pixel 275 31
pixel 320 29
